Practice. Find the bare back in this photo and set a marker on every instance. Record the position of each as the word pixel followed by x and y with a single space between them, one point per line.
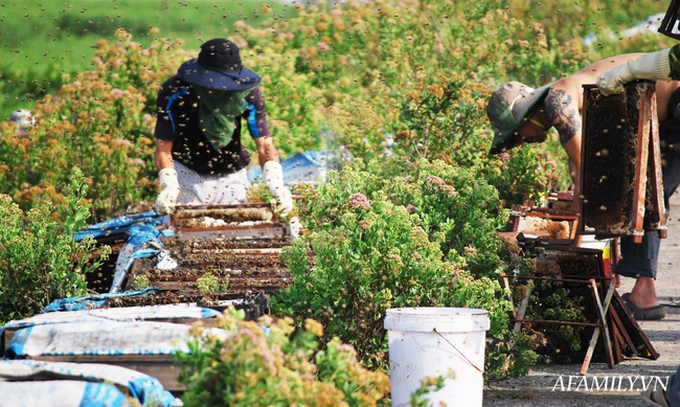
pixel 564 103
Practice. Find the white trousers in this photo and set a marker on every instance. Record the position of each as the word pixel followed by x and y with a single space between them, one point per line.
pixel 207 189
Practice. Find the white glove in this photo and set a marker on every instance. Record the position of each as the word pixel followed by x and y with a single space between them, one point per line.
pixel 166 200
pixel 282 201
pixel 295 227
pixel 654 65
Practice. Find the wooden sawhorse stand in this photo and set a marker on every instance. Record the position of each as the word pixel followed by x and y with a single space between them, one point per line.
pixel 601 326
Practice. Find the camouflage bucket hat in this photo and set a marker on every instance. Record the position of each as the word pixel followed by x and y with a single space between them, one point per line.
pixel 509 108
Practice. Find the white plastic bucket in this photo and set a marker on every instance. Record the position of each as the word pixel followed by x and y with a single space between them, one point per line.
pixel 432 341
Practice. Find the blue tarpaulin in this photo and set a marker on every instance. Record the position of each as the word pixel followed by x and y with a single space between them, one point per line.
pixel 135 247
pixel 93 301
pixel 141 230
pixel 33 383
pixel 117 225
pixel 304 166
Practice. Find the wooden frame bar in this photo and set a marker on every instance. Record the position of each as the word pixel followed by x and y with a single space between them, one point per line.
pixel 602 309
pixel 642 157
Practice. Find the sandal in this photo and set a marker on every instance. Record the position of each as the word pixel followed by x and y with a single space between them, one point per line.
pixel 654 313
pixel 655 397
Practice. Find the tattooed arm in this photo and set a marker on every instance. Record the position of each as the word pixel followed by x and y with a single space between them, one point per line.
pixel 563 107
pixel 564 102
pixel 563 111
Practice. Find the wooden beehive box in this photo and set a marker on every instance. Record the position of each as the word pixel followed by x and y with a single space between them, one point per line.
pixel 246 268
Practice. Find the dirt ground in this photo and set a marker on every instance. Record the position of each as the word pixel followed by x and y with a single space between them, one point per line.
pixel 548 385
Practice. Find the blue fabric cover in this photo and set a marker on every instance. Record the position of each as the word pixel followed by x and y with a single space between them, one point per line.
pixel 117 225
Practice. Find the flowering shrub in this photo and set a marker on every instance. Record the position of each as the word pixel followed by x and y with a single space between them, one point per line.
pixel 423 234
pixel 39 260
pixel 207 283
pixel 100 122
pixel 340 75
pixel 418 230
pixel 140 283
pixel 269 363
pixel 428 385
pixel 434 109
pixel 376 71
pixel 455 205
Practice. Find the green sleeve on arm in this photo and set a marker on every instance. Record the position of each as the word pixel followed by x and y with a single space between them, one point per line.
pixel 674 60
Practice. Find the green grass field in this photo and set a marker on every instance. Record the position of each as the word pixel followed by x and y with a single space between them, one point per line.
pixel 43 40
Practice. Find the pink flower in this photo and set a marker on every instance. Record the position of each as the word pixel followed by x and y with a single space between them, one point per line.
pixel 347 348
pixel 470 250
pixel 241 43
pixel 360 200
pixel 410 208
pixel 147 118
pixel 123 142
pixel 436 181
pixel 322 46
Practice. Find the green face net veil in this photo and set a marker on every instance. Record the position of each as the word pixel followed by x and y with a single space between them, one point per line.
pixel 217 117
